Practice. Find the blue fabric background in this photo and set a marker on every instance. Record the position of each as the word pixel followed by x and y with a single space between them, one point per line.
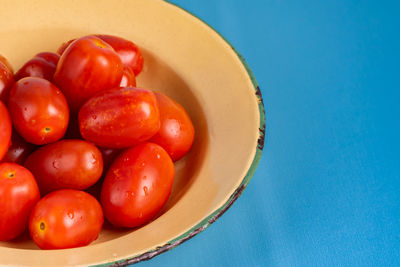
pixel 326 192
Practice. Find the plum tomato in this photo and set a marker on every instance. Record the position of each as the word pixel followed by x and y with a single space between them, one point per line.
pixel 176 132
pixel 127 50
pixel 87 66
pixel 65 219
pixel 5 130
pixel 137 185
pixel 18 193
pixel 119 118
pixel 66 164
pixel 18 150
pixel 6 78
pixel 39 111
pixel 128 78
pixel 42 65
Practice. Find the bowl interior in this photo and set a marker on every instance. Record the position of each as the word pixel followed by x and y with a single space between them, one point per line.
pixel 185 59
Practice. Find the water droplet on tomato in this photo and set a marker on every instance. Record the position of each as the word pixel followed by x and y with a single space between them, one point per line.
pixel 56 164
pixel 146 190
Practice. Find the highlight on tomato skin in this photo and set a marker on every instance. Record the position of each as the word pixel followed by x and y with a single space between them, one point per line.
pixel 6 78
pixel 137 185
pixel 39 110
pixel 176 134
pixel 65 219
pixel 19 193
pixel 5 130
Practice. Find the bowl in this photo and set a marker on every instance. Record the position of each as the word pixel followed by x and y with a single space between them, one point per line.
pixel 187 60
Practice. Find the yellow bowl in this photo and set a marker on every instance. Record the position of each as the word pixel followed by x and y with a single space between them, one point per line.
pixel 190 62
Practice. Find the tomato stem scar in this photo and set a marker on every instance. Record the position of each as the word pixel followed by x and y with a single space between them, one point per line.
pixel 11 175
pixel 42 226
pixel 47 129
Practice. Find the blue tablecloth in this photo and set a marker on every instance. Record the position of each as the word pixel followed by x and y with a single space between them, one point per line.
pixel 327 190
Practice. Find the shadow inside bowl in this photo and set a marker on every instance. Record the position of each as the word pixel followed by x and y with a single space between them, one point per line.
pixel 157 76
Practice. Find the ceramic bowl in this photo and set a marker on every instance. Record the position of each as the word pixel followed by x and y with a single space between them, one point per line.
pixel 187 60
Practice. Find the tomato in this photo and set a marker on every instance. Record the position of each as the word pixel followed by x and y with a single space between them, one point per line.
pixel 87 66
pixel 127 50
pixel 120 118
pixel 42 65
pixel 39 111
pixel 137 185
pixel 65 219
pixel 128 78
pixel 73 164
pixel 18 193
pixel 176 132
pixel 5 130
pixel 18 150
pixel 6 79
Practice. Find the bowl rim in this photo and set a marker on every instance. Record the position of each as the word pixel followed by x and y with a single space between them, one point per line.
pixel 211 218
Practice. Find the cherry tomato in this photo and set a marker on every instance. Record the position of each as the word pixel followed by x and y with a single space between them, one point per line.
pixel 18 193
pixel 6 79
pixel 73 164
pixel 87 66
pixel 65 219
pixel 120 118
pixel 18 150
pixel 42 65
pixel 127 50
pixel 128 78
pixel 5 130
pixel 137 185
pixel 176 132
pixel 39 111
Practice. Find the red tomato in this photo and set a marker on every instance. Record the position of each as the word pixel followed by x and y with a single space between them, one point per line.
pixel 176 132
pixel 19 149
pixel 137 185
pixel 120 118
pixel 38 110
pixel 5 130
pixel 65 219
pixel 42 65
pixel 89 65
pixel 127 50
pixel 18 193
pixel 128 78
pixel 6 79
pixel 73 164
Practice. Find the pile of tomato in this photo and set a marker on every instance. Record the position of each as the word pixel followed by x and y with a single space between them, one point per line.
pixel 79 142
